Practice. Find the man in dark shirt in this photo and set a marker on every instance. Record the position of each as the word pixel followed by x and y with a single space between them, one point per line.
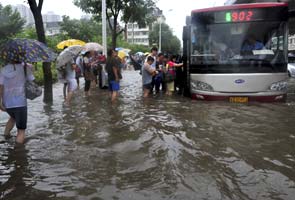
pixel 160 67
pixel 112 67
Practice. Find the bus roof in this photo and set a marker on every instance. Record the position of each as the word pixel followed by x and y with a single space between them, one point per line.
pixel 240 6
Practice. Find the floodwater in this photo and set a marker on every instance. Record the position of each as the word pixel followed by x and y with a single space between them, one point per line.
pixel 160 148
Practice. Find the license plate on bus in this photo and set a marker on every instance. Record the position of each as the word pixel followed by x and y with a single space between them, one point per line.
pixel 238 99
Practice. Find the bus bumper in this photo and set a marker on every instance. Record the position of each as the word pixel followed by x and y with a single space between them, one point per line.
pixel 255 97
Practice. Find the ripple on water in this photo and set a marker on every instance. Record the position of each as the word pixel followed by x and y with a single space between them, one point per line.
pixel 159 148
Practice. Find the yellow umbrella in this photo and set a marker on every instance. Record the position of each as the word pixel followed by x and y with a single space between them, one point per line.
pixel 126 50
pixel 122 54
pixel 147 53
pixel 68 43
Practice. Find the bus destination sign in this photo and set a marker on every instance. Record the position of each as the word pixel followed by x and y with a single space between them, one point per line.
pixel 238 16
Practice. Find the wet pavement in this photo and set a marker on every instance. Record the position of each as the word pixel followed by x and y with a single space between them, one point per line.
pixel 160 148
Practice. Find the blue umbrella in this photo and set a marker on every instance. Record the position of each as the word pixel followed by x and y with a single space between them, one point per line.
pixel 26 50
pixel 119 48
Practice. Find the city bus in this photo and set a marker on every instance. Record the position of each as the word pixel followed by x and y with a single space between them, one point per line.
pixel 237 53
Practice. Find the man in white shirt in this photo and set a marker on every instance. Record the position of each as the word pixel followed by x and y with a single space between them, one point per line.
pixel 153 54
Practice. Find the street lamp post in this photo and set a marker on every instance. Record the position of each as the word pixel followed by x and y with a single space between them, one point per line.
pixel 160 34
pixel 161 19
pixel 104 27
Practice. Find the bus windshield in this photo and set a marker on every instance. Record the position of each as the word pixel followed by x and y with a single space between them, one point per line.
pixel 249 44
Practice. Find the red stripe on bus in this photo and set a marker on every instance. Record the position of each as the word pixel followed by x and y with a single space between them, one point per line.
pixel 241 6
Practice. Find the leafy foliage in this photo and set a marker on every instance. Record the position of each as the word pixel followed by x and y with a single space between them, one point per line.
pixel 90 32
pixel 39 75
pixel 133 47
pixel 139 11
pixel 29 33
pixel 170 43
pixel 80 29
pixel 52 41
pixel 11 23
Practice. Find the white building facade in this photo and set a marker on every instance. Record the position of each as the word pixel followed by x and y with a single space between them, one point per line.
pixel 291 46
pixel 25 13
pixel 136 35
pixel 51 23
pixel 51 17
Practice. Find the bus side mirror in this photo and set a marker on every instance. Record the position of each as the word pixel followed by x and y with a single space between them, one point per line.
pixel 188 20
pixel 185 33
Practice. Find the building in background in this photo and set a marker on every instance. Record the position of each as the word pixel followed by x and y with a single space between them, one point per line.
pixel 86 17
pixel 25 13
pixel 292 43
pixel 52 28
pixel 51 23
pixel 51 17
pixel 137 35
pixel 140 35
pixel 292 26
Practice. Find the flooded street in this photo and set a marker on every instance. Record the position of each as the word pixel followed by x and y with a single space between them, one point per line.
pixel 160 148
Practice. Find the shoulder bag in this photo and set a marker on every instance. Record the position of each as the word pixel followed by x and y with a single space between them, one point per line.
pixel 32 90
pixel 169 75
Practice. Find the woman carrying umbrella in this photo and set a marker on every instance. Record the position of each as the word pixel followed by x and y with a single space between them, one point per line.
pixel 13 97
pixel 14 77
pixel 66 66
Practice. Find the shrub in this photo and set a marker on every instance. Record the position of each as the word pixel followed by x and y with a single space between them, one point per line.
pixel 38 73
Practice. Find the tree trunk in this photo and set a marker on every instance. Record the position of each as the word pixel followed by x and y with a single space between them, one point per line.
pixel 48 94
pixel 114 34
pixel 126 32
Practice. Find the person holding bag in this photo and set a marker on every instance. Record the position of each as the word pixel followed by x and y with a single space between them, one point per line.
pixel 170 74
pixel 14 79
pixel 148 72
pixel 88 72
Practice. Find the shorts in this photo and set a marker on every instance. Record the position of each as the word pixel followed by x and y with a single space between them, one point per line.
pixel 114 86
pixel 170 86
pixel 147 86
pixel 72 85
pixel 87 85
pixel 20 115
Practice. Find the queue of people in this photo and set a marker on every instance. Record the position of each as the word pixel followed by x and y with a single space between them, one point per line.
pixel 162 73
pixel 158 72
pixel 88 65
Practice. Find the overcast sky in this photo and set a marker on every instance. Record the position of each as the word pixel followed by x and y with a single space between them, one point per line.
pixel 174 11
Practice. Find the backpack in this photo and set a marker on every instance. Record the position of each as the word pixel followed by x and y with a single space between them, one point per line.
pixel 61 74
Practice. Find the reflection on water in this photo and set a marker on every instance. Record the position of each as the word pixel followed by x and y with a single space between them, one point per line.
pixel 160 148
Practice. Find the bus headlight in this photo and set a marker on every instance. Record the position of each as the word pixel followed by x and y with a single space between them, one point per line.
pixel 279 86
pixel 198 85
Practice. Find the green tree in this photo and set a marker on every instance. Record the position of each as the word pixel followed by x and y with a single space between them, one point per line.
pixel 36 10
pixel 131 11
pixel 133 47
pixel 170 43
pixel 29 33
pixel 143 14
pixel 11 23
pixel 52 41
pixel 83 29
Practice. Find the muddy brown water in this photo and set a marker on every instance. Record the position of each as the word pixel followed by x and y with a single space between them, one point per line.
pixel 161 148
